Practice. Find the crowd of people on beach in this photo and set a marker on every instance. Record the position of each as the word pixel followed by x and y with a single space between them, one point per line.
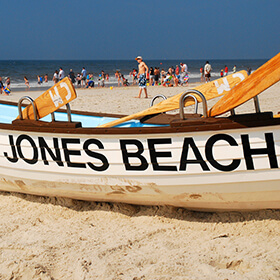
pixel 82 79
pixel 154 76
pixel 224 72
pixel 174 76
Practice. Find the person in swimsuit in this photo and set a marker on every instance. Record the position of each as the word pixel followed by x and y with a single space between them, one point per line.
pixel 118 76
pixel 8 82
pixel 26 82
pixel 226 71
pixel 39 80
pixel 142 75
pixel 157 73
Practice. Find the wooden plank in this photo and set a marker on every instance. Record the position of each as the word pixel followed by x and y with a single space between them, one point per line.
pixel 261 79
pixel 211 90
pixel 57 96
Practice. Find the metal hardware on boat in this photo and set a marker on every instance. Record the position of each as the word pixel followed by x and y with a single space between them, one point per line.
pixel 68 113
pixel 195 101
pixel 257 104
pixel 33 105
pixel 158 96
pixel 187 94
pixel 53 117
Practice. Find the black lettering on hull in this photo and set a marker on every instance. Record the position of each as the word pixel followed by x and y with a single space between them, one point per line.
pixel 44 147
pixel 155 154
pixel 209 152
pixel 21 138
pixel 14 152
pixel 68 153
pixel 102 158
pixel 133 150
pixel 138 154
pixel 189 142
pixel 269 150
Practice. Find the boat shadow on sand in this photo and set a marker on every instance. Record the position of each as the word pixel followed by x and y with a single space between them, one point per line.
pixel 165 211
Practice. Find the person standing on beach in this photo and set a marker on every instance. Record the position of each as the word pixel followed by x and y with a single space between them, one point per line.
pixel 8 82
pixel 134 73
pixel 72 77
pixel 234 69
pixel 102 78
pixel 201 74
pixel 249 70
pixel 184 72
pixel 162 76
pixel 226 71
pixel 55 77
pixel 177 70
pixel 84 76
pixel 39 79
pixel 157 74
pixel 26 82
pixel 152 76
pixel 61 74
pixel 78 78
pixel 118 76
pixel 207 70
pixel 142 75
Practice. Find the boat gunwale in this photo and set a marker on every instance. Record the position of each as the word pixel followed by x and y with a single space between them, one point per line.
pixel 176 126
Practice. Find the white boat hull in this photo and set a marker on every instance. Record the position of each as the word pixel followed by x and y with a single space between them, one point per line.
pixel 210 170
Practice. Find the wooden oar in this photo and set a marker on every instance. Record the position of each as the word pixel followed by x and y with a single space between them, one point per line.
pixel 210 90
pixel 52 99
pixel 264 77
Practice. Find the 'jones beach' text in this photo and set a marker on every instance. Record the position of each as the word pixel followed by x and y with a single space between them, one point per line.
pixel 64 154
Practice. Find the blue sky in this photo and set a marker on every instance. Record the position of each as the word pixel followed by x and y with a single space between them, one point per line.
pixel 155 29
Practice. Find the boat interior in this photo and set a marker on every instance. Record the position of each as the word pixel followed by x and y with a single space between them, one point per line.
pixel 11 114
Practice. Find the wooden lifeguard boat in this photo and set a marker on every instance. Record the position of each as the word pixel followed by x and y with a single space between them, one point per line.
pixel 152 157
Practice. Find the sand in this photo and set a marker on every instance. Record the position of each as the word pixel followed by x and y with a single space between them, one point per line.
pixel 58 238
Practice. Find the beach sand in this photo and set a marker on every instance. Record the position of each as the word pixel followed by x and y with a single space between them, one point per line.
pixel 59 238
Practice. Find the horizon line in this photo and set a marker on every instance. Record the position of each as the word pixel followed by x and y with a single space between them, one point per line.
pixel 124 59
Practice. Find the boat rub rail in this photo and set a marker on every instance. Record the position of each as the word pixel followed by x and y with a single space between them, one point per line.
pixel 176 125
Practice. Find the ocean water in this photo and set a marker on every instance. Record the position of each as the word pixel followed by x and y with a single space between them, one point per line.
pixel 17 69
